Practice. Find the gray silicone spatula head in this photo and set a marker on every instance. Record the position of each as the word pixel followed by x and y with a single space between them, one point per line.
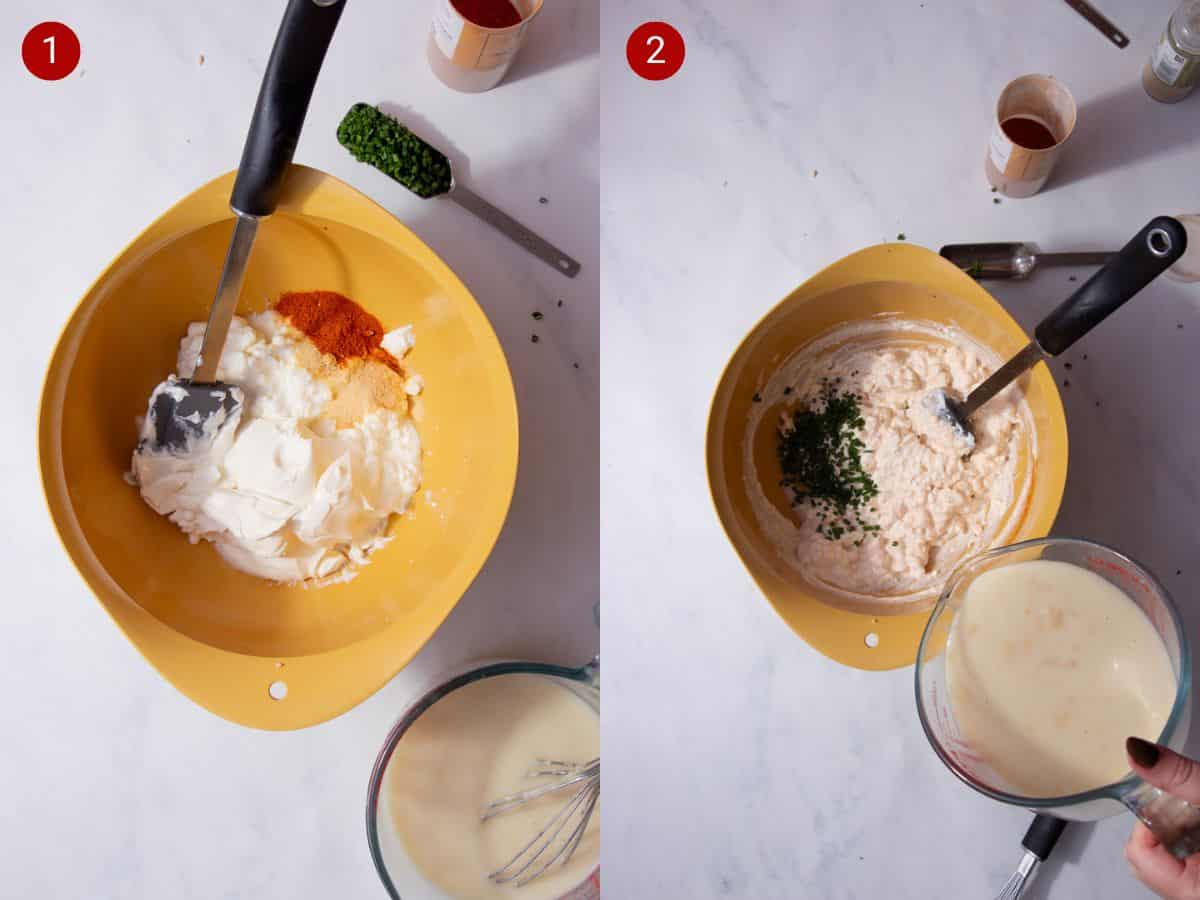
pixel 1150 253
pixel 183 412
pixel 184 416
pixel 949 410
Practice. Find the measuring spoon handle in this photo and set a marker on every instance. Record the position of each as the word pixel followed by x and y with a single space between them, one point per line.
pixel 1148 255
pixel 514 230
pixel 1074 259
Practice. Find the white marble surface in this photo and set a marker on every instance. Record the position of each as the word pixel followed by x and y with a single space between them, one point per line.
pixel 740 762
pixel 114 785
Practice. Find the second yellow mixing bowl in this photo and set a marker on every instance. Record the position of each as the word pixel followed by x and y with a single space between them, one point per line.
pixel 232 642
pixel 914 283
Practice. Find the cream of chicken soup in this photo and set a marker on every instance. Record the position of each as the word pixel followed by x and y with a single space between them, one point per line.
pixel 913 502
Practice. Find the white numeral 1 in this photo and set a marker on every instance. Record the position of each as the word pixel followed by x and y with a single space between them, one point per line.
pixel 653 58
pixel 50 41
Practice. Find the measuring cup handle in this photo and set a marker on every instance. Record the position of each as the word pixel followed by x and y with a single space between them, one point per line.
pixel 1151 252
pixel 287 86
pixel 1175 822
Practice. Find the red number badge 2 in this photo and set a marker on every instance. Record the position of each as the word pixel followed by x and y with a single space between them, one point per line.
pixel 655 51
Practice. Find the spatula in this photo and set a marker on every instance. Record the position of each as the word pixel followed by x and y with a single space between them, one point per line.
pixel 1148 255
pixel 188 413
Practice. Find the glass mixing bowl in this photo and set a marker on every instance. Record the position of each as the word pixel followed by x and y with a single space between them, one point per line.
pixel 400 876
pixel 1174 822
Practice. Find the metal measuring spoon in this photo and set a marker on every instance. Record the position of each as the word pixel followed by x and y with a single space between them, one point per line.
pixel 1148 255
pixel 184 414
pixel 1013 260
pixel 384 142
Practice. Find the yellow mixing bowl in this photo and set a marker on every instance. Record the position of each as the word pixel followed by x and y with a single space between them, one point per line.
pixel 914 283
pixel 229 640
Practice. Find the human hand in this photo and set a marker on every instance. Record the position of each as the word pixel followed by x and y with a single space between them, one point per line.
pixel 1170 878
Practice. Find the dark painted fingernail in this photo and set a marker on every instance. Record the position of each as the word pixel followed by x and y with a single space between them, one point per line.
pixel 1144 753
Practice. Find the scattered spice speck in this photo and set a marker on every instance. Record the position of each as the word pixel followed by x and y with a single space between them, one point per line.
pixel 1072 278
pixel 900 236
pixel 537 316
pixel 201 59
pixel 1067 366
pixel 1097 404
pixel 994 189
pixel 787 390
pixel 996 200
pixel 575 365
pixel 1085 356
pixel 1179 571
pixel 543 200
pixel 534 338
pixel 560 304
pixel 815 173
pixel 757 398
pixel 1066 382
pixel 1179 325
pixel 725 184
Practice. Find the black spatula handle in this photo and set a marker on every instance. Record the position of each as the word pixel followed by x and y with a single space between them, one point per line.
pixel 304 36
pixel 1148 255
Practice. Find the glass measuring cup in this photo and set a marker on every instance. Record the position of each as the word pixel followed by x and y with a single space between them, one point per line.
pixel 397 871
pixel 1174 822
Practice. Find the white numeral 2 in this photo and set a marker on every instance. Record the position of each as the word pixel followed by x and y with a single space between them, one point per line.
pixel 653 58
pixel 50 41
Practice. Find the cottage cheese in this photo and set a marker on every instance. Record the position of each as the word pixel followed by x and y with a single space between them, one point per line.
pixel 934 507
pixel 302 482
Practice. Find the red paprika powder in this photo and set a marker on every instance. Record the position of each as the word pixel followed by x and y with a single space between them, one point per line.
pixel 336 325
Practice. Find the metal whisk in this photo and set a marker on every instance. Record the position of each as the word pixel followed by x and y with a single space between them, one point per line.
pixel 561 835
pixel 1039 840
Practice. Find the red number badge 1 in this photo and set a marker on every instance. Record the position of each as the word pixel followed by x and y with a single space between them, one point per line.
pixel 655 51
pixel 50 51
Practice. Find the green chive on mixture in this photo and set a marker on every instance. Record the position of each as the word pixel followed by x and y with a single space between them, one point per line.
pixel 820 453
pixel 379 140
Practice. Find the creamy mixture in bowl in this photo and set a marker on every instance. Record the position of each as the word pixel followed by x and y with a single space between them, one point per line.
pixel 324 451
pixel 918 503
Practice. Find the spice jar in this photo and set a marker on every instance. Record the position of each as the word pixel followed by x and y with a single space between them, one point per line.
pixel 1034 117
pixel 1174 66
pixel 472 43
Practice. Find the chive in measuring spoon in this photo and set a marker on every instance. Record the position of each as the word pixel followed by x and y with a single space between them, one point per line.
pixel 375 138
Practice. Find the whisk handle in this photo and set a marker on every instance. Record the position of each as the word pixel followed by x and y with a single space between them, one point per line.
pixel 1042 835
